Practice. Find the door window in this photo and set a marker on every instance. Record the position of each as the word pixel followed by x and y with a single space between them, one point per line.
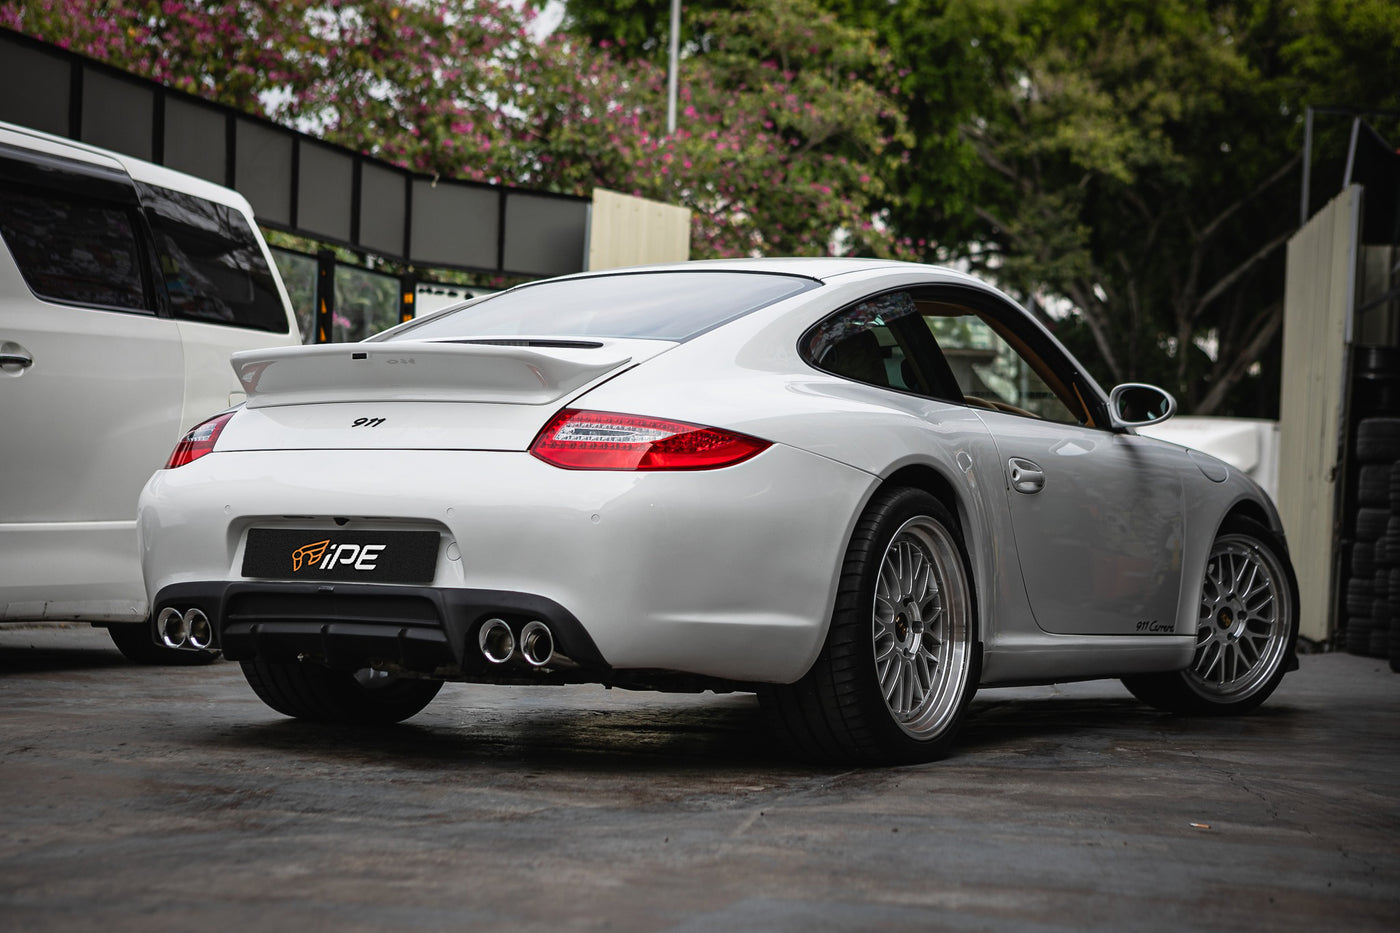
pixel 996 368
pixel 74 250
pixel 916 341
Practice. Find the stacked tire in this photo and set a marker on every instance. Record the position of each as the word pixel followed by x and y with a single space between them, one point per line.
pixel 1372 595
pixel 1370 604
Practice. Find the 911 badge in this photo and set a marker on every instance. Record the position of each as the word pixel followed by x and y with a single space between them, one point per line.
pixel 363 556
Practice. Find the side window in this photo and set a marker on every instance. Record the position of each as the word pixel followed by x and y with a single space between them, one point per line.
pixel 881 341
pixel 213 267
pixel 74 250
pixel 996 369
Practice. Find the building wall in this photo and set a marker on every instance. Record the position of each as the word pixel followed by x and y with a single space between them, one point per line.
pixel 630 231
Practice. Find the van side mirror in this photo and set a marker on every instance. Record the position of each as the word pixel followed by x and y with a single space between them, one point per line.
pixel 1135 405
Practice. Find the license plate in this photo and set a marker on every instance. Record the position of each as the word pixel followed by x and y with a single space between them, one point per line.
pixel 363 556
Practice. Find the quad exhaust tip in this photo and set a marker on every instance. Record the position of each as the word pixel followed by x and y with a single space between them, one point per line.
pixel 498 642
pixel 536 643
pixel 190 629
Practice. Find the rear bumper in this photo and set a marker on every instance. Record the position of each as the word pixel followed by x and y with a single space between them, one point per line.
pixel 423 630
pixel 727 574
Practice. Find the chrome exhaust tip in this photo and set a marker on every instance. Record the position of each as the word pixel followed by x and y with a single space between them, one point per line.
pixel 496 640
pixel 536 643
pixel 200 633
pixel 174 630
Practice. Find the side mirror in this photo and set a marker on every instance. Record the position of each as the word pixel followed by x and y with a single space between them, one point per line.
pixel 1135 405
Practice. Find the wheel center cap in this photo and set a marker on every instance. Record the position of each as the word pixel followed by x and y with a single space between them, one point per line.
pixel 1226 618
pixel 901 627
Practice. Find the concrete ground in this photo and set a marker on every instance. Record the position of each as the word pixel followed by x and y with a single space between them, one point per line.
pixel 171 799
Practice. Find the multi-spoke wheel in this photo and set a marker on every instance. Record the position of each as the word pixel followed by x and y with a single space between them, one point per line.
pixel 922 626
pixel 900 661
pixel 1246 630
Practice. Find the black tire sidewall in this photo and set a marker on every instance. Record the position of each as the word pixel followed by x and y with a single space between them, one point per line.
pixel 851 626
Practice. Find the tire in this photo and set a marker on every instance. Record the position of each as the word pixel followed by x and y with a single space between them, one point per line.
pixel 1363 559
pixel 1245 640
pixel 137 645
pixel 1373 486
pixel 1360 592
pixel 901 658
pixel 1358 638
pixel 1370 524
pixel 1378 440
pixel 1388 545
pixel 310 691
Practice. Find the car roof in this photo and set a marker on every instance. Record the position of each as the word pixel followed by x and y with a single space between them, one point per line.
pixel 821 268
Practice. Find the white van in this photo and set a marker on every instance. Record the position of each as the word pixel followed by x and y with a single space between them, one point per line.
pixel 124 287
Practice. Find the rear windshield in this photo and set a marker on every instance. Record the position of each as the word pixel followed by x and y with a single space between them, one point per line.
pixel 657 305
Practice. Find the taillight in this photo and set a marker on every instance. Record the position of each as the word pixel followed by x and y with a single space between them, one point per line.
pixel 601 440
pixel 198 442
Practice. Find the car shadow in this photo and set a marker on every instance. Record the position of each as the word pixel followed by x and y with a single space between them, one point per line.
pixel 728 733
pixel 49 660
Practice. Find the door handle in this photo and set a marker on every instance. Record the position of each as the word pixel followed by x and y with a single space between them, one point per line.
pixel 1026 475
pixel 16 358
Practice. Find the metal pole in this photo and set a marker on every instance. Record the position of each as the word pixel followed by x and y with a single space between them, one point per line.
pixel 672 81
pixel 1307 167
pixel 1351 151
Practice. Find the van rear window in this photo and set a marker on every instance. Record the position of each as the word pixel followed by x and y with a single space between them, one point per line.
pixel 213 267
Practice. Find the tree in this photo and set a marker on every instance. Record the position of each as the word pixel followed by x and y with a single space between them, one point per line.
pixel 1128 168
pixel 784 147
pixel 785 134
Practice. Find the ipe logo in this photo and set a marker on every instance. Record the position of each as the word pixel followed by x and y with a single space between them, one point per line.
pixel 358 556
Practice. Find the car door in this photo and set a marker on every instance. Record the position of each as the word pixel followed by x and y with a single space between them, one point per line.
pixel 1097 515
pixel 91 379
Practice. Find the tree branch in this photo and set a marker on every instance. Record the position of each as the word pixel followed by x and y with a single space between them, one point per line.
pixel 1234 275
pixel 1097 328
pixel 1209 230
pixel 1266 326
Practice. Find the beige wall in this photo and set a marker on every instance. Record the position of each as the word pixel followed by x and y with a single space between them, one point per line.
pixel 1318 302
pixel 628 231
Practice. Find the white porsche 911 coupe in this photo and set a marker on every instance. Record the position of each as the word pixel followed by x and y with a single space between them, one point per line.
pixel 857 488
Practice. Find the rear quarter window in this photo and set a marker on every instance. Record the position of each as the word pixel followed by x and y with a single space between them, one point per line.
pixel 212 262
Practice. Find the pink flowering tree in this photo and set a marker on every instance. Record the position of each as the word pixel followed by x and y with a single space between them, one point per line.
pixel 785 133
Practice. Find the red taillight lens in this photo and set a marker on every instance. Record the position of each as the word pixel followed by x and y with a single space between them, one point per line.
pixel 198 442
pixel 602 440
